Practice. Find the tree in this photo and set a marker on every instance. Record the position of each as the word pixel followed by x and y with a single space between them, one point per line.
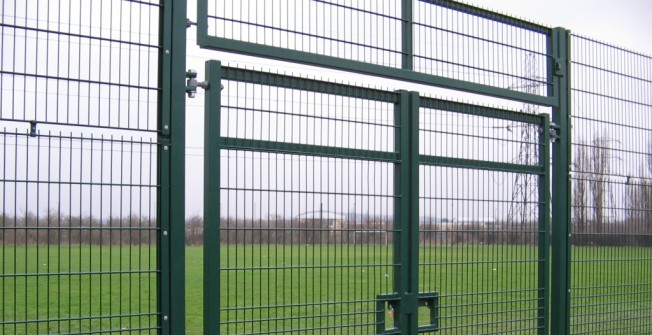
pixel 579 191
pixel 599 164
pixel 639 197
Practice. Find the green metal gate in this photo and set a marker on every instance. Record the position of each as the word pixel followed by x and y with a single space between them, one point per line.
pixel 329 207
pixel 325 198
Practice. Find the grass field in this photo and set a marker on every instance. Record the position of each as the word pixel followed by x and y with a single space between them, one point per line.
pixel 484 289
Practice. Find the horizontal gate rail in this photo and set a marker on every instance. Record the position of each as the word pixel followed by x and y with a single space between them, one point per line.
pixel 397 53
pixel 305 149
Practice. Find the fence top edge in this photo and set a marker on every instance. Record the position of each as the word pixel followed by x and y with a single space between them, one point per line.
pixel 491 15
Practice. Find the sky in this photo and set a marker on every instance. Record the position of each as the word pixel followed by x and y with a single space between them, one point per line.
pixel 624 23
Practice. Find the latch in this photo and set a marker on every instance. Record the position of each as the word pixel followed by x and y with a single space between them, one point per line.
pixel 192 83
pixel 389 308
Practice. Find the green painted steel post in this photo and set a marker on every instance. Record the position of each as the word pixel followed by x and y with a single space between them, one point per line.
pixel 561 186
pixel 544 228
pixel 406 216
pixel 407 34
pixel 171 168
pixel 212 103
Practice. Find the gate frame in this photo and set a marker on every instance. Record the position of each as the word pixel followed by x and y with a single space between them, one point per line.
pixel 557 97
pixel 406 159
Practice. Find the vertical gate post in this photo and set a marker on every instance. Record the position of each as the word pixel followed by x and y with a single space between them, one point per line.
pixel 407 34
pixel 544 228
pixel 171 168
pixel 212 103
pixel 559 74
pixel 406 211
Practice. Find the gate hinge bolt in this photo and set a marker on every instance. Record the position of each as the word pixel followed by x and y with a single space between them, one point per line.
pixel 165 317
pixel 192 83
pixel 554 132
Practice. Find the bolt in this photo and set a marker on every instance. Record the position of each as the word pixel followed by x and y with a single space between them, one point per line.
pixel 165 147
pixel 165 233
pixel 165 317
pixel 166 127
pixel 167 52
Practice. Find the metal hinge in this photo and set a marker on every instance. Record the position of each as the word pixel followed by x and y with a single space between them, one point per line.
pixel 192 83
pixel 554 132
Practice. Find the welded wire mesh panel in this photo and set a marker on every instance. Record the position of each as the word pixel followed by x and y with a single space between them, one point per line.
pixel 482 238
pixel 307 198
pixel 463 42
pixel 460 133
pixel 611 289
pixel 438 39
pixel 78 121
pixel 366 31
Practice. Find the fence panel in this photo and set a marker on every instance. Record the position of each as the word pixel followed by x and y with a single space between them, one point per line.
pixel 426 41
pixel 483 222
pixel 611 282
pixel 79 104
pixel 305 204
pixel 316 224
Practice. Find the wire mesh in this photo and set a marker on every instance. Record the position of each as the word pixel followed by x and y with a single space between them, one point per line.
pixel 306 232
pixel 437 38
pixel 462 42
pixel 366 31
pixel 79 109
pixel 486 264
pixel 611 204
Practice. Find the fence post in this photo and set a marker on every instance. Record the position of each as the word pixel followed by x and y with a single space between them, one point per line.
pixel 171 167
pixel 559 75
pixel 406 211
pixel 407 34
pixel 544 229
pixel 212 103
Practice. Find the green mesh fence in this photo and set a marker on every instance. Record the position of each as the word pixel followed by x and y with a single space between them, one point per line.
pixel 78 140
pixel 611 289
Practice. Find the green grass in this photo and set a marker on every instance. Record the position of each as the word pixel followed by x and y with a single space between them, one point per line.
pixel 89 288
pixel 321 289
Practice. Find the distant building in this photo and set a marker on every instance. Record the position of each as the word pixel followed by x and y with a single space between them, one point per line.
pixel 322 219
pixel 474 221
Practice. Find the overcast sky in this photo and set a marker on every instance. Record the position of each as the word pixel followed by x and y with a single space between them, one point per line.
pixel 625 23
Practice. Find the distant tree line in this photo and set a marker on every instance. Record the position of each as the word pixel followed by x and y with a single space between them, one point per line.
pixel 593 199
pixel 52 228
pixel 592 202
pixel 31 229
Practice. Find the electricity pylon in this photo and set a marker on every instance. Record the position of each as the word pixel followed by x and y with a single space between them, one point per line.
pixel 525 186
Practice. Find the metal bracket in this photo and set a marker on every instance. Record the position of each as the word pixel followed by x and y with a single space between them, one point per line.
pixel 554 132
pixel 192 83
pixel 395 304
pixel 559 67
pixel 32 128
